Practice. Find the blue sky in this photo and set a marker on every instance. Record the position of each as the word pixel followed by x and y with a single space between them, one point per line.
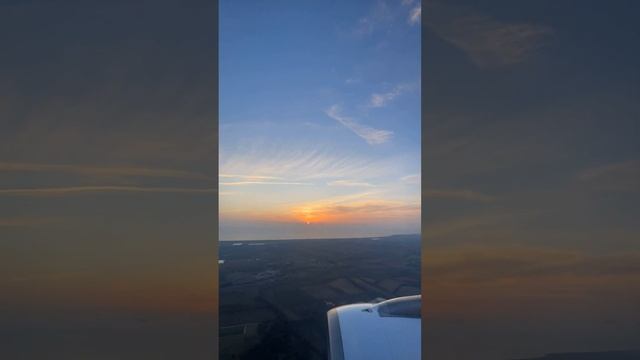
pixel 320 113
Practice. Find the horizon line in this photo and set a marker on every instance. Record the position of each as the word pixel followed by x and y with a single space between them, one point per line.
pixel 328 238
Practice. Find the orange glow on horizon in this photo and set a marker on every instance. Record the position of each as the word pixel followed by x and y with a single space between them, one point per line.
pixel 356 212
pixel 331 211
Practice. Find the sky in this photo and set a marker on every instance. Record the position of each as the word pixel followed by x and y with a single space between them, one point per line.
pixel 107 180
pixel 319 119
pixel 531 178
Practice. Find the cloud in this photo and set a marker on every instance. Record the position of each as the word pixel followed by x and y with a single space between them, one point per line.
pixel 250 177
pixel 370 135
pixel 72 190
pixel 411 179
pixel 241 183
pixel 100 171
pixel 242 180
pixel 415 15
pixel 350 183
pixel 487 41
pixel 380 100
pixel 304 164
pixel 379 15
pixel 292 212
pixel 364 210
pixel 379 207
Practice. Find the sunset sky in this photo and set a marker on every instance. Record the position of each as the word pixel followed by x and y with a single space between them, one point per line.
pixel 319 119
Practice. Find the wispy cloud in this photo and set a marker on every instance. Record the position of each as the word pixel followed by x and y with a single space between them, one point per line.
pixel 354 209
pixel 379 15
pixel 487 41
pixel 304 164
pixel 242 183
pixel 242 180
pixel 415 15
pixel 369 134
pixel 350 183
pixel 99 171
pixel 380 100
pixel 411 179
pixel 250 177
pixel 377 208
pixel 292 211
pixel 72 190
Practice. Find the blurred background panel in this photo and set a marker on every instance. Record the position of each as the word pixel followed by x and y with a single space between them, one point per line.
pixel 531 179
pixel 108 175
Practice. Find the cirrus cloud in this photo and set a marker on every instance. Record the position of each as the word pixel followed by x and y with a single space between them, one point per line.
pixel 371 135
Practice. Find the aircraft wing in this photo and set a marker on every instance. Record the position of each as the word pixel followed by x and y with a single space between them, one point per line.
pixel 382 331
